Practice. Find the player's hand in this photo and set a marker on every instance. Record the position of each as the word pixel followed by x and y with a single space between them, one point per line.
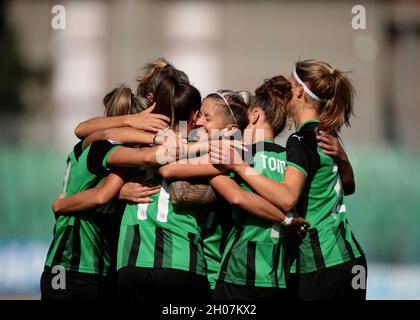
pixel 223 153
pixel 139 191
pixel 56 205
pixel 331 145
pixel 297 228
pixel 148 121
pixel 172 149
pixel 62 195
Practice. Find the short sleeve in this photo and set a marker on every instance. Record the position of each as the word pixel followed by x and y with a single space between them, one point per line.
pixel 301 153
pixel 98 155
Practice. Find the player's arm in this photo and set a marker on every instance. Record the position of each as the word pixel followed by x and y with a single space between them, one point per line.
pixel 283 195
pixel 133 157
pixel 252 202
pixel 144 120
pixel 139 190
pixel 345 171
pixel 191 168
pixel 91 198
pixel 199 150
pixel 334 148
pixel 185 193
pixel 124 135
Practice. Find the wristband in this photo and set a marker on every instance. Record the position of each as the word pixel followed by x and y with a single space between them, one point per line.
pixel 287 221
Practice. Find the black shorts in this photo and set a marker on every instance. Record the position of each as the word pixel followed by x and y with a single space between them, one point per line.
pixel 333 283
pixel 230 291
pixel 147 284
pixel 78 286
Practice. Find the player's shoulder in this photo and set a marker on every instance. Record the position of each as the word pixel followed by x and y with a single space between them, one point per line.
pixel 305 136
pixel 78 149
pixel 101 146
pixel 267 146
pixel 104 143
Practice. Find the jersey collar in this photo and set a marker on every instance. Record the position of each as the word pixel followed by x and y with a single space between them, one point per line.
pixel 306 122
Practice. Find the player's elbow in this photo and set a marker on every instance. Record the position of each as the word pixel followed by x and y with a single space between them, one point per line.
pixel 105 134
pixel 288 204
pixel 79 131
pixel 349 189
pixel 55 207
pixel 236 199
pixel 166 172
pixel 101 198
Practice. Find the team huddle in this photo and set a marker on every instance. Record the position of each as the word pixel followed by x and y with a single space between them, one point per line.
pixel 173 197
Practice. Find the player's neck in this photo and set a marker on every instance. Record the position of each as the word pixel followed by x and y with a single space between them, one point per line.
pixel 303 115
pixel 262 134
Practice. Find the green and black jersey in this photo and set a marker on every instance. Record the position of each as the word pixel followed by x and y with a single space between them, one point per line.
pixel 329 240
pixel 255 249
pixel 216 223
pixel 71 163
pixel 161 235
pixel 82 241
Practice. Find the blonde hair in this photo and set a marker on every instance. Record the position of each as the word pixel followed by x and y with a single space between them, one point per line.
pixel 333 87
pixel 121 101
pixel 235 106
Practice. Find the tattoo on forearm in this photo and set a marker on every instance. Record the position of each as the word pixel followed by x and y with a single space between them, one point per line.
pixel 188 194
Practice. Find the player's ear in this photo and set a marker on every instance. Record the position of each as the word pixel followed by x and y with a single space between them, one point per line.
pixel 297 89
pixel 254 115
pixel 149 96
pixel 194 117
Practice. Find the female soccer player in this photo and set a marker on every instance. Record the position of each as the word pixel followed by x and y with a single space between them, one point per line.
pixel 252 266
pixel 322 98
pixel 148 82
pixel 160 254
pixel 215 119
pixel 81 243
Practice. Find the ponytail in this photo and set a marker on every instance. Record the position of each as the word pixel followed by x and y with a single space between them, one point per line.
pixel 149 71
pixel 339 108
pixel 333 87
pixel 154 73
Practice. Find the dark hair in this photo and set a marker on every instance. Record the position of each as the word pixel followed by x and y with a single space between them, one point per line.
pixel 176 100
pixel 238 103
pixel 333 86
pixel 121 101
pixel 155 72
pixel 273 97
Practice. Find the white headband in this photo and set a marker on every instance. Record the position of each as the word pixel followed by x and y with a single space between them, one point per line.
pixel 305 88
pixel 224 99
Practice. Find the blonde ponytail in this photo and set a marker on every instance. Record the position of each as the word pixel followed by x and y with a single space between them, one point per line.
pixel 333 87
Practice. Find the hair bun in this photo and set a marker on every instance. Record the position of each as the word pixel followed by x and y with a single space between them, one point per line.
pixel 276 86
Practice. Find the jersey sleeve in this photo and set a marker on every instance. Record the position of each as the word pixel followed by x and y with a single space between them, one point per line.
pixel 98 155
pixel 301 153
